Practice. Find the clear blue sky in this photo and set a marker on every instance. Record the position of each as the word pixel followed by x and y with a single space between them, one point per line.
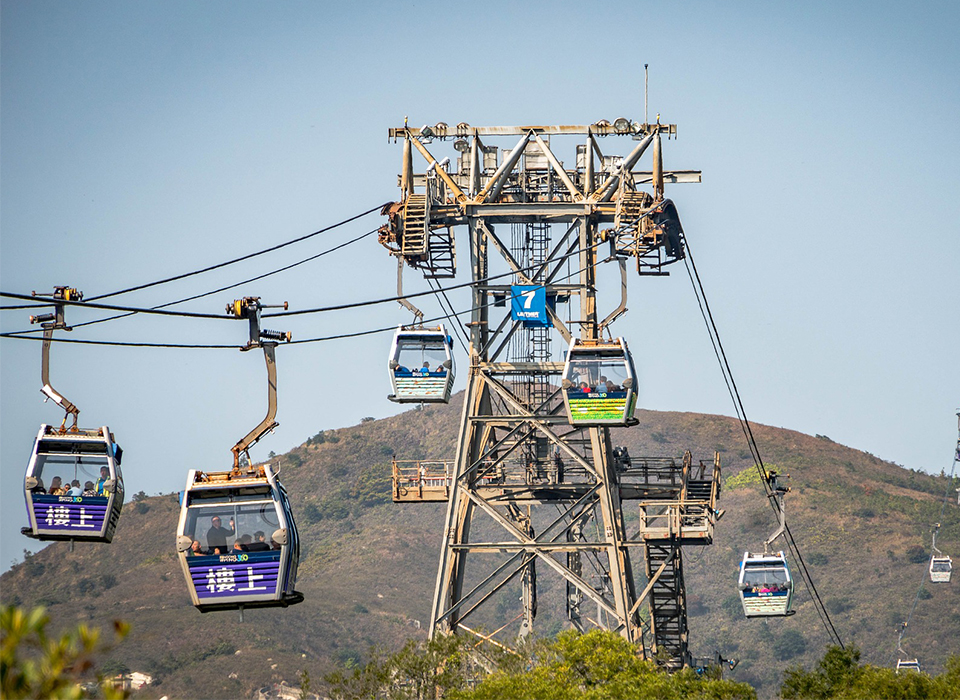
pixel 141 140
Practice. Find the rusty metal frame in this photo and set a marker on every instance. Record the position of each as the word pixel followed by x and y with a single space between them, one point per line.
pixel 495 421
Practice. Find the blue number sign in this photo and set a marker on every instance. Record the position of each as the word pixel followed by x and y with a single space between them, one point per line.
pixel 528 304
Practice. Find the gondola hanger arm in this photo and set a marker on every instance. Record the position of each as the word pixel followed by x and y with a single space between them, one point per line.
pixel 417 313
pixel 51 322
pixel 777 493
pixel 249 308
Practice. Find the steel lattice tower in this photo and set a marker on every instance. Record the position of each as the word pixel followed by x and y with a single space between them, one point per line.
pixel 527 492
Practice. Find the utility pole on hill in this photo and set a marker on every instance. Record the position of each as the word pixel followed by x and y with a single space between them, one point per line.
pixel 536 498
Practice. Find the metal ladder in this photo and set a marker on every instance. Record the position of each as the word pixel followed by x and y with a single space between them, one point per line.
pixel 414 242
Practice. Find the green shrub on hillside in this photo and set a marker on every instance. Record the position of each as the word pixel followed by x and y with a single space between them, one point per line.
pixel 789 645
pixel 916 554
pixel 598 665
pixel 840 676
pixel 373 486
pixel 747 478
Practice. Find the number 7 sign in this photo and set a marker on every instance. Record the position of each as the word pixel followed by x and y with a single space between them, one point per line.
pixel 528 304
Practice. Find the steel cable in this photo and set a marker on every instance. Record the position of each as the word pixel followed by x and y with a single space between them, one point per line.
pixel 241 258
pixel 923 576
pixel 340 336
pixel 211 267
pixel 214 291
pixel 751 440
pixel 337 307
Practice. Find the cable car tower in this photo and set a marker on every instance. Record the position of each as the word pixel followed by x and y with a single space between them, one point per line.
pixel 537 485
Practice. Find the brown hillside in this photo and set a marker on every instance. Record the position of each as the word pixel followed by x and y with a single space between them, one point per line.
pixel 368 565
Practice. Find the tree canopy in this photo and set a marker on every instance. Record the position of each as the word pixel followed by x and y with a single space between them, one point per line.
pixel 841 676
pixel 593 666
pixel 34 664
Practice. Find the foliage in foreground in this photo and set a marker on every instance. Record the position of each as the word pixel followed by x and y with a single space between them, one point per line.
pixel 419 670
pixel 35 665
pixel 589 667
pixel 840 676
pixel 599 665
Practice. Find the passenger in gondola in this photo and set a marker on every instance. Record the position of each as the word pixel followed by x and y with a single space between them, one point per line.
pixel 217 535
pixel 611 387
pixel 89 489
pixel 584 388
pixel 75 489
pixel 242 543
pixel 101 482
pixel 259 543
pixel 602 386
pixel 56 487
pixel 196 550
pixel 426 367
pixel 39 488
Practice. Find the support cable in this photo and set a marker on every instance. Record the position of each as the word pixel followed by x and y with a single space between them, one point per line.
pixel 215 291
pixel 241 258
pixel 338 307
pixel 462 337
pixel 213 267
pixel 340 336
pixel 707 314
pixel 114 307
pixel 923 577
pixel 372 302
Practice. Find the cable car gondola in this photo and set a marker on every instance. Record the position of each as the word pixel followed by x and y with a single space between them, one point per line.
pixel 765 583
pixel 253 562
pixel 766 587
pixel 88 456
pixel 599 383
pixel 941 566
pixel 940 569
pixel 908 665
pixel 903 662
pixel 56 511
pixel 421 365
